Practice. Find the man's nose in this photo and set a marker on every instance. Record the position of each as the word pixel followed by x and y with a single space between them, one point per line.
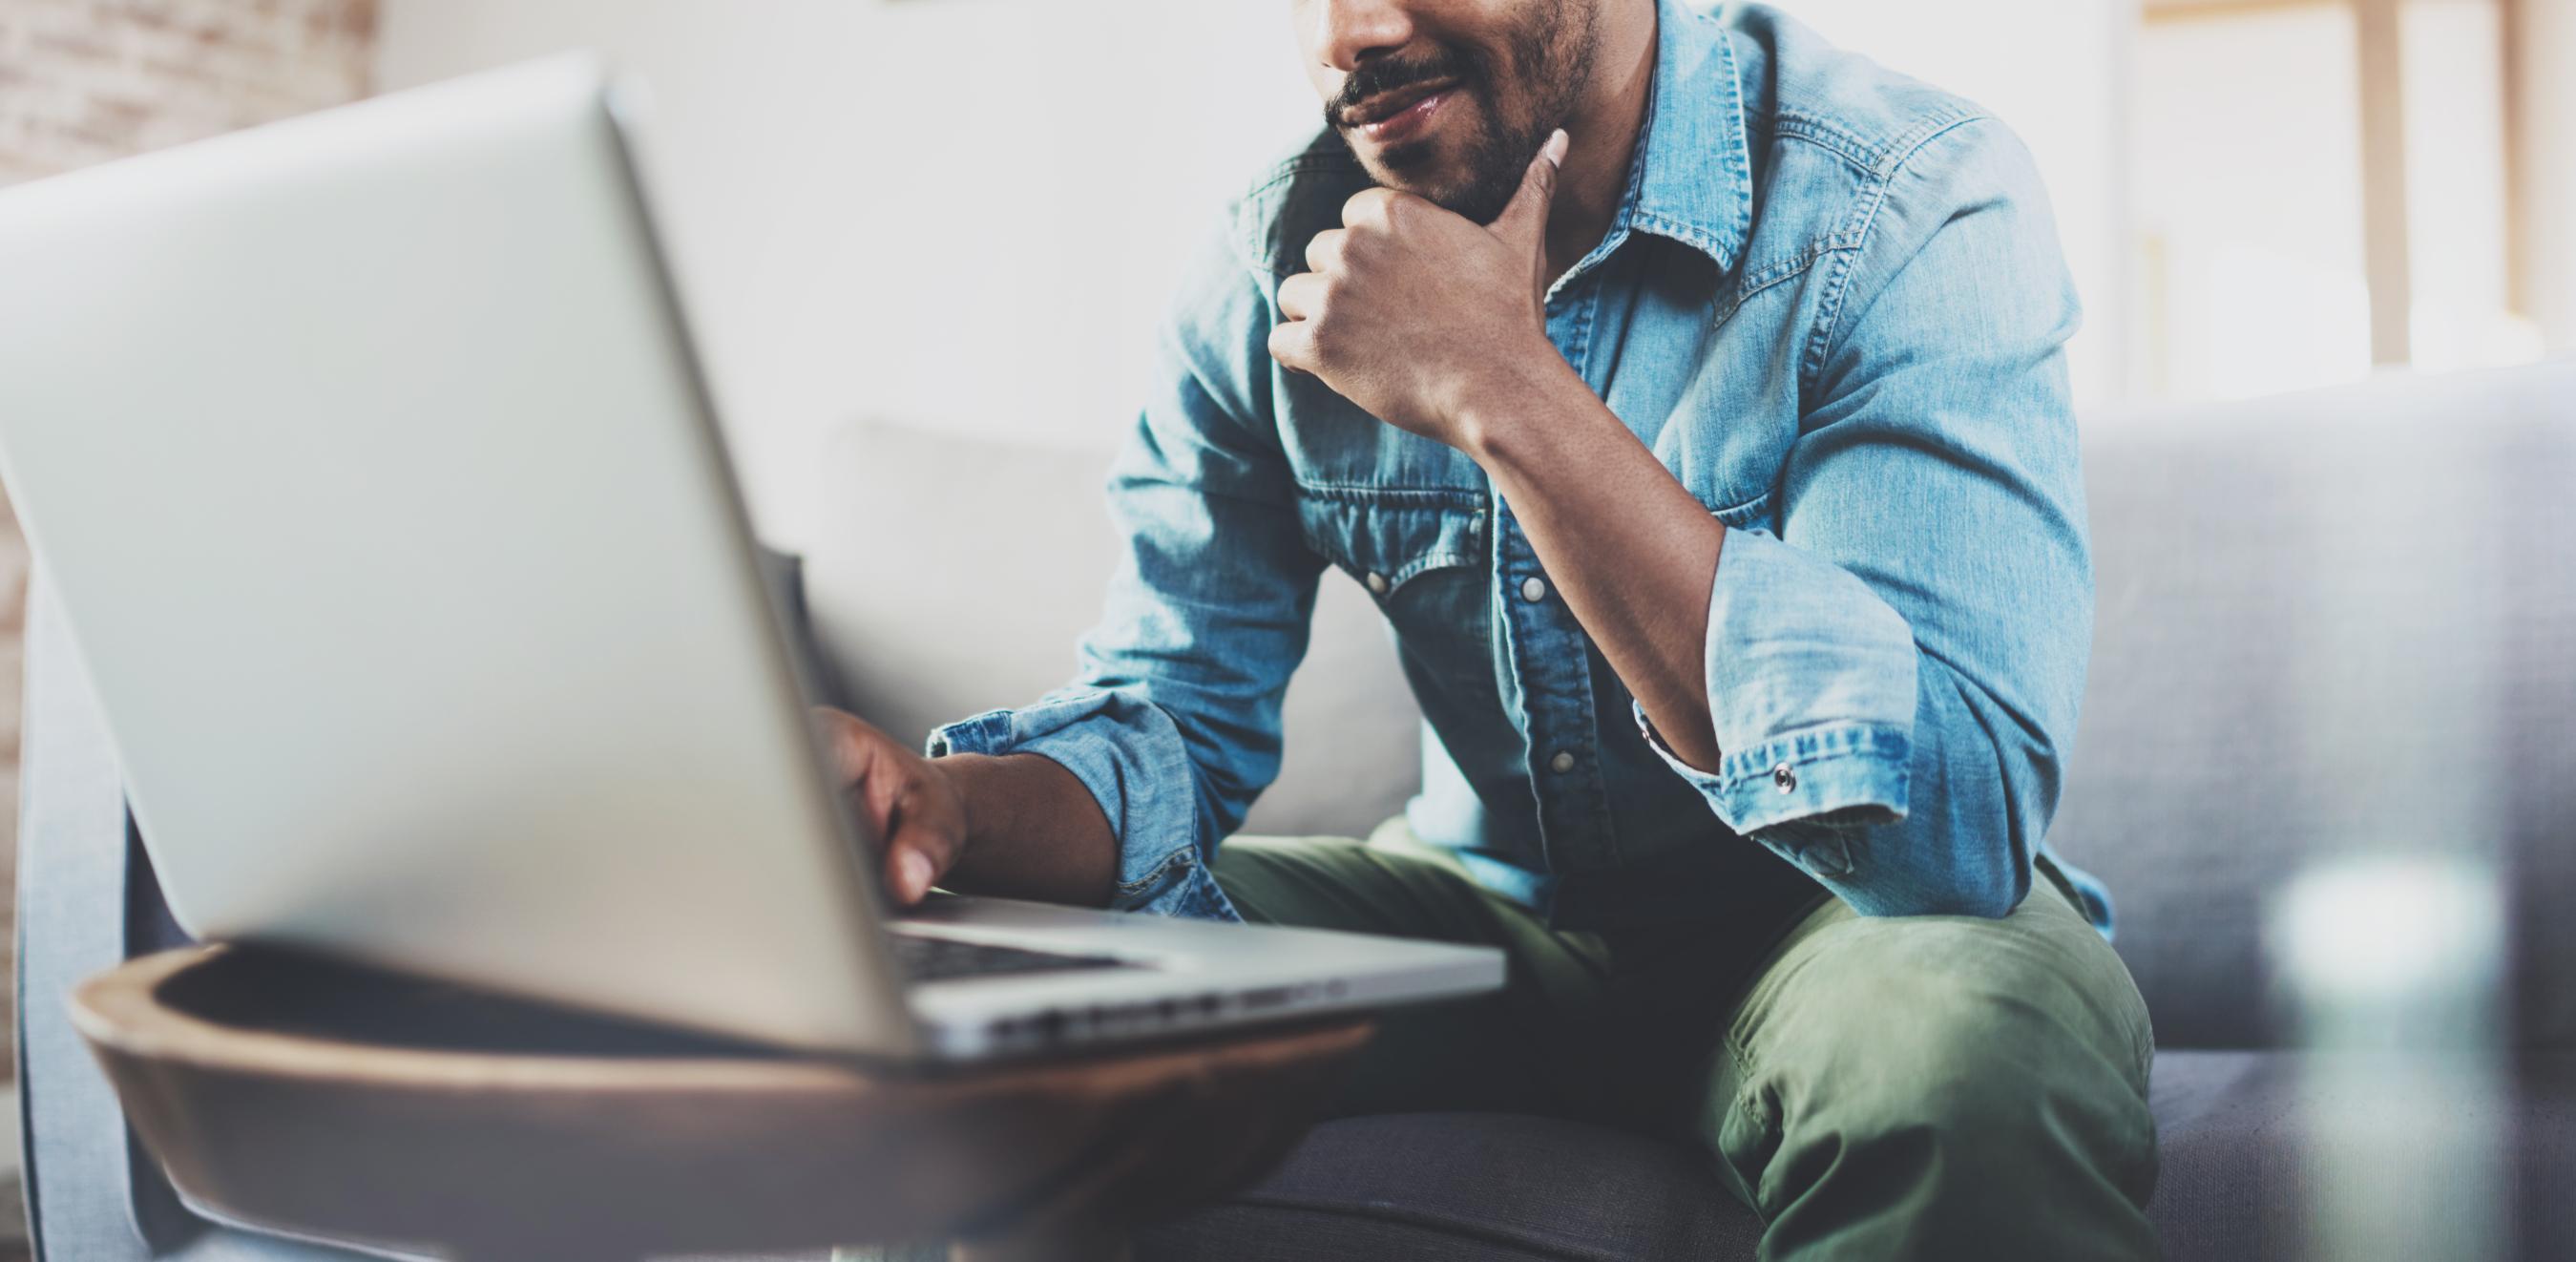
pixel 1347 32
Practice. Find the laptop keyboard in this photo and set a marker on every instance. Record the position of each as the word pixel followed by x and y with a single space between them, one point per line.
pixel 925 958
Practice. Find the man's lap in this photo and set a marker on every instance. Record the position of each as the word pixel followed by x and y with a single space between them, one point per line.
pixel 1602 1027
pixel 1841 1017
pixel 1516 1050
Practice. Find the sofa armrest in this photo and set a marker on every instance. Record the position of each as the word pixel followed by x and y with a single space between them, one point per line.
pixel 86 901
pixel 73 838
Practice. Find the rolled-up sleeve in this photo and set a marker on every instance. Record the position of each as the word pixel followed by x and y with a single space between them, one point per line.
pixel 1173 718
pixel 1894 673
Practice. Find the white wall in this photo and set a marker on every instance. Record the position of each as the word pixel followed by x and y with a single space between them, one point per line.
pixel 968 213
pixel 2547 49
pixel 2249 158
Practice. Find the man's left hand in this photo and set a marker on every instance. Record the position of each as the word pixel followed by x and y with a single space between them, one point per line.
pixel 1420 316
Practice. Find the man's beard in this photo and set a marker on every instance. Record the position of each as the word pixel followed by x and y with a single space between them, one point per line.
pixel 1551 59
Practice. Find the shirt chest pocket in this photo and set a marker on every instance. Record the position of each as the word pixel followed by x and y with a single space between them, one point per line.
pixel 1422 557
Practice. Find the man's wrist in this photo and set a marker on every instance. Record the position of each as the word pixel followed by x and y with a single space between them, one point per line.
pixel 1030 829
pixel 960 773
pixel 1502 425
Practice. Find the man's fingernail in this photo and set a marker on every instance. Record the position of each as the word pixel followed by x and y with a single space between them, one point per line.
pixel 1556 147
pixel 914 874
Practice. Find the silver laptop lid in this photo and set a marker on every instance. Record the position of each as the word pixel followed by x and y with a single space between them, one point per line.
pixel 366 454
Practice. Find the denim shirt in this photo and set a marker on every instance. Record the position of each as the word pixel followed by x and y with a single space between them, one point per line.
pixel 1832 302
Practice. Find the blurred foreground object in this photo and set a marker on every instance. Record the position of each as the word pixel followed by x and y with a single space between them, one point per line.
pixel 2395 965
pixel 321 1099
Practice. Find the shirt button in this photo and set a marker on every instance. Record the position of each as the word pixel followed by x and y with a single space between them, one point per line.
pixel 1533 591
pixel 1784 778
pixel 1562 763
pixel 1377 583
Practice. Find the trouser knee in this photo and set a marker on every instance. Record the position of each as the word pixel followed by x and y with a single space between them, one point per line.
pixel 1916 1111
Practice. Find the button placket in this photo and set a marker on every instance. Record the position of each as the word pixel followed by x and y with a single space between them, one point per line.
pixel 1552 668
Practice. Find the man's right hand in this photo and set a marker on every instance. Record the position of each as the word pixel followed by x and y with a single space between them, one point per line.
pixel 910 803
pixel 1036 832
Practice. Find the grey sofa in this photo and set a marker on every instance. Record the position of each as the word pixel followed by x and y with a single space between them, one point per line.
pixel 2333 623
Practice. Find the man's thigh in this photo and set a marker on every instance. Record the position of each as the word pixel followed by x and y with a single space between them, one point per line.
pixel 1532 1047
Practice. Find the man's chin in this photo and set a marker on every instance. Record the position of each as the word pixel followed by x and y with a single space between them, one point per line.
pixel 1416 167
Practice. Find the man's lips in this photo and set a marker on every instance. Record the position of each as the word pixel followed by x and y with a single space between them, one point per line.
pixel 1395 114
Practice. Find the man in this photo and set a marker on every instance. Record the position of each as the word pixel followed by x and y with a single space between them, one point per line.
pixel 1690 397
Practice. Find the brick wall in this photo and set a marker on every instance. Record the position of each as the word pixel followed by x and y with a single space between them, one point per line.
pixel 84 81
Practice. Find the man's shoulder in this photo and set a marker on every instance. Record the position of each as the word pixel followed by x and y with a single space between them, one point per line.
pixel 1801 89
pixel 1288 200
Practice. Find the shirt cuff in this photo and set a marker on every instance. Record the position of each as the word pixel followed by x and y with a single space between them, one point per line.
pixel 1811 686
pixel 1128 753
pixel 1803 795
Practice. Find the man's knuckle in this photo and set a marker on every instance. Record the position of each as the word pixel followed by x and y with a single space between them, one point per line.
pixel 1287 345
pixel 1369 207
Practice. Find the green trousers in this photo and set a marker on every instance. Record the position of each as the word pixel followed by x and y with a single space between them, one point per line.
pixel 1937 1087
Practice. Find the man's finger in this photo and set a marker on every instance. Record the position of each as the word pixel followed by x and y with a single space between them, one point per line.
pixel 1301 296
pixel 1371 208
pixel 922 843
pixel 1293 345
pixel 913 858
pixel 845 738
pixel 1325 252
pixel 1524 221
pixel 878 787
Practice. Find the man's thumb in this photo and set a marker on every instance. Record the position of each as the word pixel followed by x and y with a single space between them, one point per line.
pixel 1525 219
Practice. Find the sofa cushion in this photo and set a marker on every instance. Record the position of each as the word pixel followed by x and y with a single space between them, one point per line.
pixel 2235 1130
pixel 1441 1186
pixel 951 575
pixel 2327 625
pixel 2234 1186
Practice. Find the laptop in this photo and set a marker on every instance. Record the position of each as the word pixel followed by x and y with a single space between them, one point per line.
pixel 368 462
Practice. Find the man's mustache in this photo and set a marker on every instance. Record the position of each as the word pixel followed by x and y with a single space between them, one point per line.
pixel 1379 76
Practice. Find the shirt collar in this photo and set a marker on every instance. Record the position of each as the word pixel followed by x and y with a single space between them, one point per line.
pixel 1693 181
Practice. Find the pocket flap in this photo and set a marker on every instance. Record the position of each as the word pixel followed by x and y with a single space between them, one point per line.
pixel 1385 537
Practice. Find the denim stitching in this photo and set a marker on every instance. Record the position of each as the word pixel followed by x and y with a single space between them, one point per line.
pixel 1800 749
pixel 1154 879
pixel 1745 511
pixel 1877 159
pixel 1828 330
pixel 1829 309
pixel 1368 493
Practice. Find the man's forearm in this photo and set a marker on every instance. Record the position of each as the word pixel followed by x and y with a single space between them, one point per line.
pixel 1630 551
pixel 1032 831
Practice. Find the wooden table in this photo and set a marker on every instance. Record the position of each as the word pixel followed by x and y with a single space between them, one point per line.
pixel 322 1099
